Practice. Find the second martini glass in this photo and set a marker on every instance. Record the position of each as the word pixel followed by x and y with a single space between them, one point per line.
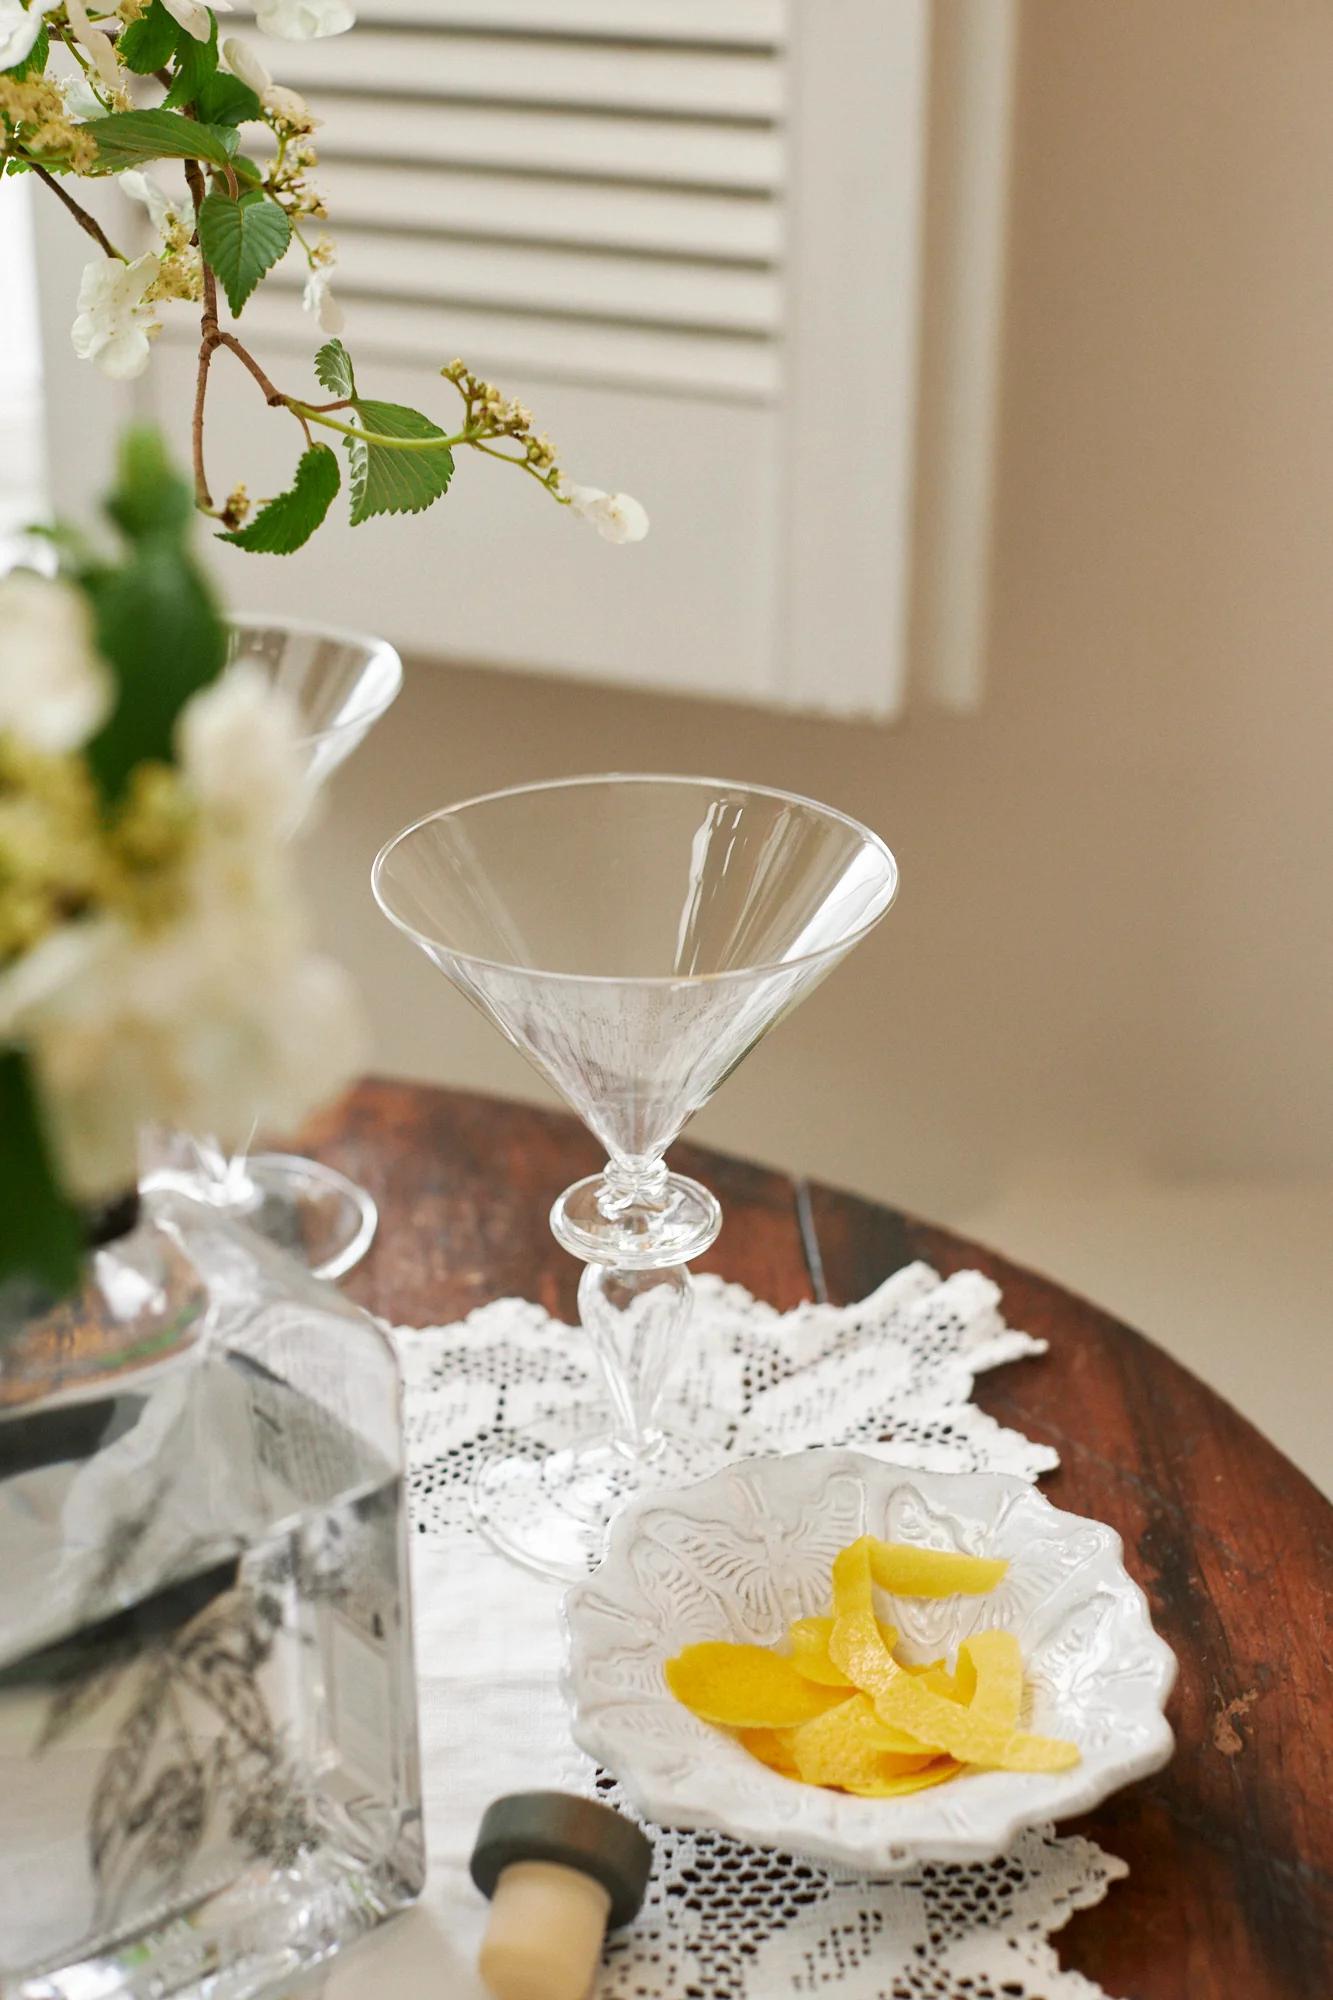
pixel 339 684
pixel 633 937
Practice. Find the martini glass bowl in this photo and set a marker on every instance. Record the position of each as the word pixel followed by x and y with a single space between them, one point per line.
pixel 633 937
pixel 339 684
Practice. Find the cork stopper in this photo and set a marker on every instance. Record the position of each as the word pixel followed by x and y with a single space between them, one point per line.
pixel 560 1872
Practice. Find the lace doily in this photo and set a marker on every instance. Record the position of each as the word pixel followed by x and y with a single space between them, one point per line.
pixel 722 1921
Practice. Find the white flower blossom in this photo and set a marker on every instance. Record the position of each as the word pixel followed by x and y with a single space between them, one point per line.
pixel 224 1012
pixel 290 106
pixel 318 299
pixel 19 29
pixel 243 62
pixel 81 101
pixel 113 322
pixel 239 746
pixel 304 20
pixel 55 688
pixel 97 44
pixel 142 187
pixel 188 14
pixel 617 517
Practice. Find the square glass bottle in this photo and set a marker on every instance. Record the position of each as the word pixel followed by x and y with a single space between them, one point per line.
pixel 208 1748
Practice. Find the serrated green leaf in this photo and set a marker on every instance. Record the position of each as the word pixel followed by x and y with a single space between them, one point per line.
pixel 196 62
pixel 35 61
pixel 132 138
pixel 40 1234
pixel 333 366
pixel 385 481
pixel 148 43
pixel 224 100
pixel 288 522
pixel 242 240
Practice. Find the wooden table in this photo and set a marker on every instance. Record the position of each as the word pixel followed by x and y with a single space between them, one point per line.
pixel 1230 1895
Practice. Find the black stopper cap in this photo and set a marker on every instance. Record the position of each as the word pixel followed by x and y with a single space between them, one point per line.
pixel 572 1832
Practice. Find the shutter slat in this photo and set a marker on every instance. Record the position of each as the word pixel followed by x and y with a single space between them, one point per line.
pixel 588 189
pixel 673 220
pixel 740 23
pixel 637 289
pixel 517 349
pixel 546 143
pixel 516 71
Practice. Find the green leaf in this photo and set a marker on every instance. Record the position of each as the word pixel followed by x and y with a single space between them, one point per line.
pixel 245 170
pixel 132 138
pixel 148 43
pixel 242 240
pixel 35 61
pixel 40 1233
pixel 159 629
pixel 150 497
pixel 222 99
pixel 196 62
pixel 157 624
pixel 288 522
pixel 384 481
pixel 333 365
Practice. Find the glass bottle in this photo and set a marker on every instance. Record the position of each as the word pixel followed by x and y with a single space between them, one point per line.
pixel 208 1754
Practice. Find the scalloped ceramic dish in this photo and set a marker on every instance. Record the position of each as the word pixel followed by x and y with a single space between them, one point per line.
pixel 741 1554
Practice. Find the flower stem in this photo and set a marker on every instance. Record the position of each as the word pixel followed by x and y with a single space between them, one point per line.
pixel 91 77
pixel 316 413
pixel 507 458
pixel 211 337
pixel 80 214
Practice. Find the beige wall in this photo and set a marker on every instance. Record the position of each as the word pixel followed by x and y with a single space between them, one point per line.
pixel 1114 936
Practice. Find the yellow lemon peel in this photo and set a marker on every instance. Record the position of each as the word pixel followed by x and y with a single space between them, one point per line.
pixel 905 1570
pixel 843 1747
pixel 744 1687
pixel 809 1637
pixel 771 1747
pixel 841 1711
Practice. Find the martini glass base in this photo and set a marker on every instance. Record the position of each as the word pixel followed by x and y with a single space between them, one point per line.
pixel 313 1212
pixel 546 1498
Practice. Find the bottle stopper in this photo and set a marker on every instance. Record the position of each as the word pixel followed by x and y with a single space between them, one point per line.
pixel 560 1872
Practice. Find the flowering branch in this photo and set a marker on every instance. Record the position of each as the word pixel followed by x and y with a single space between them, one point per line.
pixel 203 499
pixel 80 214
pixel 314 411
pixel 240 221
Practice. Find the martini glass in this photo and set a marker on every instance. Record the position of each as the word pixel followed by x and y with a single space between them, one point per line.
pixel 633 937
pixel 339 684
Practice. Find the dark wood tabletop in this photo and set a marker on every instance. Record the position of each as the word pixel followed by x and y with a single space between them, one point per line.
pixel 1230 1849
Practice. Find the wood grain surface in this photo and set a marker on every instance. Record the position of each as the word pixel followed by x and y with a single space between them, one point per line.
pixel 1230 1894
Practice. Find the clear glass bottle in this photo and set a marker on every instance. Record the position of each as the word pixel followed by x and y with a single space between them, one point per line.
pixel 208 1754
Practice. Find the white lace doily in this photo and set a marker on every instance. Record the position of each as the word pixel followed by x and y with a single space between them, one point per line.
pixel 722 1921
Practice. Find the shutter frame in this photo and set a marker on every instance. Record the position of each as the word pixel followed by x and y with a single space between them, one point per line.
pixel 855 237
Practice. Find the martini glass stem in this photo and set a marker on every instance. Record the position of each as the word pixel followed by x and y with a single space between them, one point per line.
pixel 228 1179
pixel 636 1321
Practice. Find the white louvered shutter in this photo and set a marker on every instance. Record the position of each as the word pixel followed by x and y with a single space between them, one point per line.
pixel 688 233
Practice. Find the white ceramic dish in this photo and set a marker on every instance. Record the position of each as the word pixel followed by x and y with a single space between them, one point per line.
pixel 741 1554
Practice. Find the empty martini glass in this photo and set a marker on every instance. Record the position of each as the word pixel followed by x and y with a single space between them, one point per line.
pixel 339 684
pixel 633 937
